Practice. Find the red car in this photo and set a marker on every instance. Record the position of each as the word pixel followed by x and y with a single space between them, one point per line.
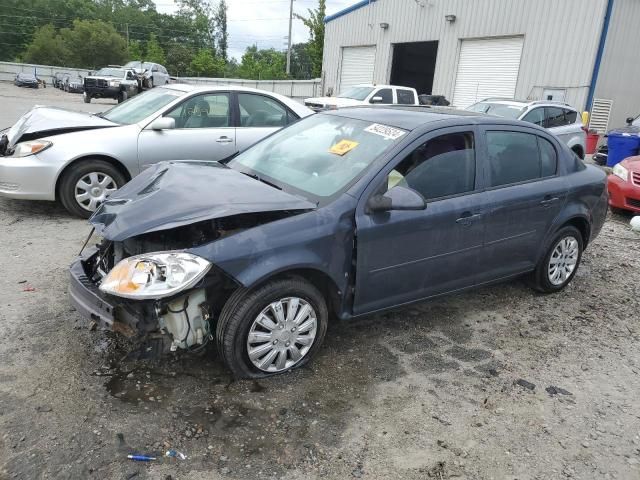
pixel 624 185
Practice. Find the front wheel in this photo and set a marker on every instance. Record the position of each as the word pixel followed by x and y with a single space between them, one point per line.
pixel 560 263
pixel 87 184
pixel 272 329
pixel 122 96
pixel 86 97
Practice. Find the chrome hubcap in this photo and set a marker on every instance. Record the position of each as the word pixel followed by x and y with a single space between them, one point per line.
pixel 93 189
pixel 282 334
pixel 563 260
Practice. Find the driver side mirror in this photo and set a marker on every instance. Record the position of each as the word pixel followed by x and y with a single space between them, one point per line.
pixel 163 123
pixel 376 99
pixel 397 198
pixel 630 120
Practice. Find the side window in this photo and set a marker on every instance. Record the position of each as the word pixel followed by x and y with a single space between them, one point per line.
pixel 570 116
pixel 443 166
pixel 203 111
pixel 386 94
pixel 406 97
pixel 513 157
pixel 261 111
pixel 535 116
pixel 548 158
pixel 555 117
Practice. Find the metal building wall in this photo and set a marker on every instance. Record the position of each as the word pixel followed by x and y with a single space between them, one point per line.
pixel 560 38
pixel 619 75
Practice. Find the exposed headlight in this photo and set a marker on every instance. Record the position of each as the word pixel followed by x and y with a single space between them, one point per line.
pixel 114 84
pixel 155 275
pixel 620 171
pixel 24 149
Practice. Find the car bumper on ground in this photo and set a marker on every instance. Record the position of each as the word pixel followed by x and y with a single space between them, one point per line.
pixel 29 178
pixel 623 194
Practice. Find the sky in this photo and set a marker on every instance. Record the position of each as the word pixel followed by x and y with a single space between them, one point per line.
pixel 265 22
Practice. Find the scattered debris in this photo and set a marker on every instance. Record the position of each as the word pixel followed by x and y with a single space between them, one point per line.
pixel 442 420
pixel 93 326
pixel 635 224
pixel 551 390
pixel 132 475
pixel 22 281
pixel 175 454
pixel 141 458
pixel 29 288
pixel 524 384
pixel 43 408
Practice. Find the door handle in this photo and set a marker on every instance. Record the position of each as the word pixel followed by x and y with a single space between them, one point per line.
pixel 467 218
pixel 548 201
pixel 224 139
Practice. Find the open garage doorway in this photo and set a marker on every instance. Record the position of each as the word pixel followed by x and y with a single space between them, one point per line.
pixel 414 64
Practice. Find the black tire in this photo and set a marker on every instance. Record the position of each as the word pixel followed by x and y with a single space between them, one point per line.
pixel 67 185
pixel 87 98
pixel 244 306
pixel 540 277
pixel 150 83
pixel 122 96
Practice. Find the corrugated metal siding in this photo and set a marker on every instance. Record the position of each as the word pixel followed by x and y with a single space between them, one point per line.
pixel 560 43
pixel 619 77
pixel 357 66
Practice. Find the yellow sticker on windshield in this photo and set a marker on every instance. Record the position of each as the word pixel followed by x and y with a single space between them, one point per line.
pixel 343 146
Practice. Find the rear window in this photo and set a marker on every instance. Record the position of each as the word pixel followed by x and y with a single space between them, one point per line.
pixel 571 116
pixel 406 97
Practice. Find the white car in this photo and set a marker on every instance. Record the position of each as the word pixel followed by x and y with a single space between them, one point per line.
pixel 79 158
pixel 364 95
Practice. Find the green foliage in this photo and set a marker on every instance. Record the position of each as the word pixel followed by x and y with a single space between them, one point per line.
pixel 262 64
pixel 135 50
pixel 47 47
pixel 205 64
pixel 94 43
pixel 222 35
pixel 179 59
pixel 301 67
pixel 154 52
pixel 315 23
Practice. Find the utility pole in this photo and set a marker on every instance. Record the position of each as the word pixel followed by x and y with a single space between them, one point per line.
pixel 289 38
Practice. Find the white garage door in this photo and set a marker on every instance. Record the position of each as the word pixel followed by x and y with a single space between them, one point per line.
pixel 487 68
pixel 357 66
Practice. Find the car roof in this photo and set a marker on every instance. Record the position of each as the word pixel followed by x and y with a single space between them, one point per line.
pixel 411 117
pixel 526 103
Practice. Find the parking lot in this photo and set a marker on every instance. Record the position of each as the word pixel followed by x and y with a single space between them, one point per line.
pixel 499 383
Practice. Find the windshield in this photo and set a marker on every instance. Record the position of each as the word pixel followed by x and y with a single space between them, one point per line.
pixel 138 64
pixel 110 72
pixel 318 157
pixel 497 109
pixel 356 93
pixel 141 106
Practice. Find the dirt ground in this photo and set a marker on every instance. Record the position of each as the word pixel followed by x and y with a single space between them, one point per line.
pixel 426 392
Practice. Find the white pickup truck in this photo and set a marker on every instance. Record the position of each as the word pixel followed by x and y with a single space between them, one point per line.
pixel 364 95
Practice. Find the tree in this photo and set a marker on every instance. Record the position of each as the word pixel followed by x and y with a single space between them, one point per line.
pixel 222 35
pixel 205 64
pixel 47 47
pixel 179 58
pixel 301 68
pixel 315 23
pixel 262 64
pixel 135 50
pixel 94 43
pixel 154 54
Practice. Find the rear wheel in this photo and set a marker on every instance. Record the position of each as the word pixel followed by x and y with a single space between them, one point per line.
pixel 122 96
pixel 87 184
pixel 86 97
pixel 273 329
pixel 560 263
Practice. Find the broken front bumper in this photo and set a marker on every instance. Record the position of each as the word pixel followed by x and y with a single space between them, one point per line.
pixel 108 312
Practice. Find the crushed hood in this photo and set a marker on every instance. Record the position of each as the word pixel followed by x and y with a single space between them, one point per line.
pixel 45 121
pixel 172 194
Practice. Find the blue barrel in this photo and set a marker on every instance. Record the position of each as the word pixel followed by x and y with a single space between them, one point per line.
pixel 622 145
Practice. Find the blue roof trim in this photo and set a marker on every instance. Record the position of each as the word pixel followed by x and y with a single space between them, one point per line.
pixel 355 6
pixel 596 66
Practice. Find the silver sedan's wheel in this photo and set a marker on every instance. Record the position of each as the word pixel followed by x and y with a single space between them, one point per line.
pixel 563 260
pixel 282 334
pixel 92 189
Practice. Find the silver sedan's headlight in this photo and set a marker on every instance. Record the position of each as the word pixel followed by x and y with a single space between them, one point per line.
pixel 155 275
pixel 24 149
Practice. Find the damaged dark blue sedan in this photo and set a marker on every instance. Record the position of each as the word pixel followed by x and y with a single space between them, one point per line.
pixel 340 215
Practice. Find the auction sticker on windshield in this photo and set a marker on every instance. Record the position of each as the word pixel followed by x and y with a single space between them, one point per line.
pixel 343 146
pixel 385 131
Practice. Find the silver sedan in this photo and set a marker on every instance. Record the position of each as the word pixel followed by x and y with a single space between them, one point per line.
pixel 79 158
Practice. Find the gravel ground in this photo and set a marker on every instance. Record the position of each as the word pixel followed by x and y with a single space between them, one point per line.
pixel 500 383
